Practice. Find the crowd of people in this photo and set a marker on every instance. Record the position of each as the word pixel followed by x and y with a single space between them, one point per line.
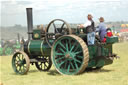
pixel 90 28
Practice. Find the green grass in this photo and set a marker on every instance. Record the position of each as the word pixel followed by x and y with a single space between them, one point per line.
pixel 114 74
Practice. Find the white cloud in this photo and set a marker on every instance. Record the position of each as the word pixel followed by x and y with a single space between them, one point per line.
pixel 72 10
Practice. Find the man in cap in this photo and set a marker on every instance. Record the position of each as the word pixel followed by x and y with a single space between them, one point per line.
pixel 89 29
pixel 89 25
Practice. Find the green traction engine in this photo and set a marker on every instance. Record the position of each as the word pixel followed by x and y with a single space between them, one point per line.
pixel 64 47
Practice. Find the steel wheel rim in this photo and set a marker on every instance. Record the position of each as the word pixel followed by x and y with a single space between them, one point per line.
pixel 20 63
pixel 63 63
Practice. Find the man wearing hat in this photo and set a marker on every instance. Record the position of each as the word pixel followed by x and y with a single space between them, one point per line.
pixel 102 29
pixel 89 29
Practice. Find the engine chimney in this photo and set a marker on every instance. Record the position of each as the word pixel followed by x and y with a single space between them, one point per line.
pixel 18 36
pixel 29 22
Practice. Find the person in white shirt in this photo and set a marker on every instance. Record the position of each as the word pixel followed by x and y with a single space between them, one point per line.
pixel 89 29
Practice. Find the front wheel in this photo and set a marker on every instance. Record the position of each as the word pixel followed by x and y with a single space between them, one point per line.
pixel 20 62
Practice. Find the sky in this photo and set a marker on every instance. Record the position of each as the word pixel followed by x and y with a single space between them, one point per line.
pixel 73 11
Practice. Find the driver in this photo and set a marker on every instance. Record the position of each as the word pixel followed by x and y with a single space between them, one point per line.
pixel 90 29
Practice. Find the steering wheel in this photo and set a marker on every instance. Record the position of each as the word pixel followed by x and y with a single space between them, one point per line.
pixel 55 29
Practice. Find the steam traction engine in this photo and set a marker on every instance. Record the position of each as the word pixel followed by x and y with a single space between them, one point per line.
pixel 63 46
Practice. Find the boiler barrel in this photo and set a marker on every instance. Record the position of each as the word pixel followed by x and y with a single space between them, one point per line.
pixel 38 47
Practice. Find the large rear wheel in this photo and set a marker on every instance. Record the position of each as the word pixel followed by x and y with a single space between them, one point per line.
pixel 70 55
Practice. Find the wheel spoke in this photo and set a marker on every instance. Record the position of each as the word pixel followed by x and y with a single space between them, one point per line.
pixel 59 53
pixel 59 58
pixel 76 48
pixel 80 57
pixel 68 68
pixel 45 64
pixel 15 60
pixel 76 65
pixel 73 46
pixel 19 68
pixel 16 63
pixel 19 57
pixel 62 50
pixel 24 68
pixel 72 65
pixel 65 64
pixel 69 42
pixel 67 46
pixel 62 45
pixel 78 52
pixel 22 57
pixel 62 26
pixel 47 61
pixel 62 63
pixel 77 60
pixel 40 65
pixel 55 28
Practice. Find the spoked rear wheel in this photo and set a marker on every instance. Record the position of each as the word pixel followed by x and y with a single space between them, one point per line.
pixel 70 55
pixel 20 62
pixel 44 63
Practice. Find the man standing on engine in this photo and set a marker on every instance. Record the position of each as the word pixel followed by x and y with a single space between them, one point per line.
pixel 89 27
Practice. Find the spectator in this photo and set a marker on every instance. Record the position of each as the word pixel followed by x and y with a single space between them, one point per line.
pixel 109 32
pixel 102 29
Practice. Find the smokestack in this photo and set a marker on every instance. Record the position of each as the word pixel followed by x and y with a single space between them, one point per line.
pixel 18 36
pixel 29 22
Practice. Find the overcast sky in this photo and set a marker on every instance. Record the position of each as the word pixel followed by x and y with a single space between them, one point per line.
pixel 73 11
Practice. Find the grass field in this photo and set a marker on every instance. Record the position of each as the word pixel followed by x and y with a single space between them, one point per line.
pixel 115 74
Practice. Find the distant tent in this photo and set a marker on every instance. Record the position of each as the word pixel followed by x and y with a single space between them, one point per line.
pixel 127 25
pixel 124 30
pixel 123 25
